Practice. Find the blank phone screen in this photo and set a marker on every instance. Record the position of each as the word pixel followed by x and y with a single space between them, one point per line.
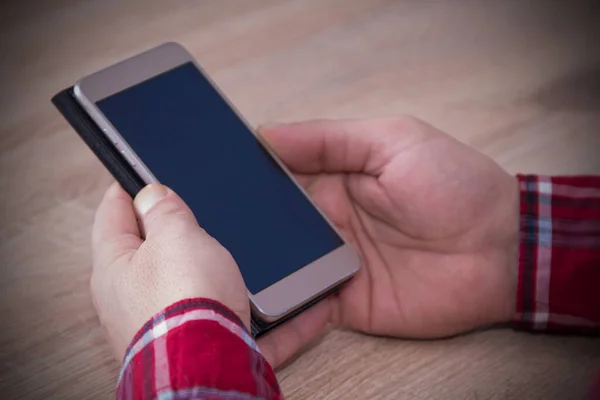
pixel 192 141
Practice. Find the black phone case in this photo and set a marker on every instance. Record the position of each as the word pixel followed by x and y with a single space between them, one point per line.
pixel 112 159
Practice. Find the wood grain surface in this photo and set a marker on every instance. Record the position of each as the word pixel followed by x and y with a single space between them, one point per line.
pixel 518 80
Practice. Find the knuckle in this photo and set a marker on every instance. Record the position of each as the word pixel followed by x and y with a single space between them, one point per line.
pixel 175 221
pixel 224 253
pixel 111 253
pixel 211 244
pixel 407 129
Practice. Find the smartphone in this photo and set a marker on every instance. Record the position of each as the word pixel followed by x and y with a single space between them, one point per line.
pixel 174 126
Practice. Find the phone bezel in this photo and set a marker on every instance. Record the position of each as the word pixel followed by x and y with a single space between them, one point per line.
pixel 278 299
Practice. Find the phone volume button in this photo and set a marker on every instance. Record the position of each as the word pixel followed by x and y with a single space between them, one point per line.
pixel 111 136
pixel 128 157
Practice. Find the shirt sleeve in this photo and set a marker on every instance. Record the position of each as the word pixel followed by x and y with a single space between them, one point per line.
pixel 559 254
pixel 196 348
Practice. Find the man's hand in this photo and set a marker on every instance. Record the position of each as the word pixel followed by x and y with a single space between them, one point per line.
pixel 436 223
pixel 140 269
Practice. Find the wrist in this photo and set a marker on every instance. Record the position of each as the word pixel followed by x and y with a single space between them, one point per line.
pixel 509 263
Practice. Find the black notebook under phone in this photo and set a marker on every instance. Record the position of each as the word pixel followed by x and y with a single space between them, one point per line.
pixel 128 178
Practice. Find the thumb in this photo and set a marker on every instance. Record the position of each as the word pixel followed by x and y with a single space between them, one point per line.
pixel 159 208
pixel 351 145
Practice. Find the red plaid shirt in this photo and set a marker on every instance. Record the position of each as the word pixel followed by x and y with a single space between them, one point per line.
pixel 559 263
pixel 198 349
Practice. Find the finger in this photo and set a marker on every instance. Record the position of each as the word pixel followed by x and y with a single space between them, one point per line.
pixel 159 208
pixel 331 146
pixel 115 229
pixel 306 180
pixel 285 341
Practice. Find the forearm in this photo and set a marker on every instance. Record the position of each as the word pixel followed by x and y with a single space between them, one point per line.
pixel 195 348
pixel 559 254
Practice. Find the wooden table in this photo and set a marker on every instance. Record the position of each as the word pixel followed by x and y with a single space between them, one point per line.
pixel 518 81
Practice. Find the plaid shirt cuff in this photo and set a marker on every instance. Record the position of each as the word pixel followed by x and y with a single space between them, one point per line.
pixel 196 348
pixel 559 254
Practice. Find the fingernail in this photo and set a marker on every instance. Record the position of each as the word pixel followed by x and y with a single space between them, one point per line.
pixel 148 197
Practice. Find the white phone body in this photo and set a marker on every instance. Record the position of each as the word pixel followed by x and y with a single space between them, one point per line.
pixel 277 300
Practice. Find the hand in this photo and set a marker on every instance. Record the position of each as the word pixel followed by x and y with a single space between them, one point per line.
pixel 436 223
pixel 135 278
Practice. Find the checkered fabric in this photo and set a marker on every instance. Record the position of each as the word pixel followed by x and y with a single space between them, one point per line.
pixel 559 262
pixel 195 349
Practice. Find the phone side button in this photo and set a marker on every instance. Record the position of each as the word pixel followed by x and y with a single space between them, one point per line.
pixel 110 135
pixel 128 157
